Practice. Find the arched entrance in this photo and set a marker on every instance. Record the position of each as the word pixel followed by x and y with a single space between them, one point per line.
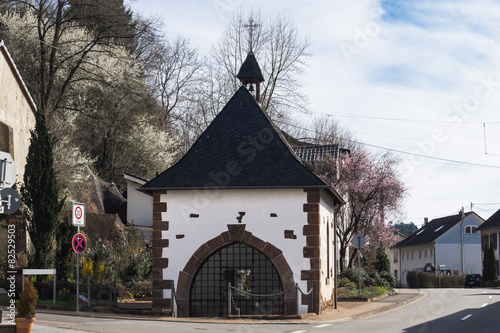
pixel 249 271
pixel 236 234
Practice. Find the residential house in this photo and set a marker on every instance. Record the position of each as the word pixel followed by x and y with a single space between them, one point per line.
pixel 17 112
pixel 240 208
pixel 490 230
pixel 452 243
pixel 394 256
pixel 17 118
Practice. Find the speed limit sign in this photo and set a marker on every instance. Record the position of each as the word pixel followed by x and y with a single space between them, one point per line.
pixel 78 214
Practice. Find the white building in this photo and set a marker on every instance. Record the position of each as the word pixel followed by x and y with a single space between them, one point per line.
pixel 451 242
pixel 241 208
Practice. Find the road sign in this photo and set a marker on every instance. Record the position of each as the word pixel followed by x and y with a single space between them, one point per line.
pixel 79 243
pixel 359 241
pixel 9 201
pixel 78 214
pixel 7 170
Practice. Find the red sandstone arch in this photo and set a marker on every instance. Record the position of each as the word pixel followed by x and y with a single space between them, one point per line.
pixel 236 233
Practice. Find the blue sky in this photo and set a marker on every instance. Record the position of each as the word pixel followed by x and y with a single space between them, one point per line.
pixel 421 78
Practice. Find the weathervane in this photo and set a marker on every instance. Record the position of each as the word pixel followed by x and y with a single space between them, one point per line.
pixel 251 25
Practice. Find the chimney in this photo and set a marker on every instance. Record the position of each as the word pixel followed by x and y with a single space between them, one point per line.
pixel 426 220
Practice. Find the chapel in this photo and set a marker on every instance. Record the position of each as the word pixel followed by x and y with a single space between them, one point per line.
pixel 240 224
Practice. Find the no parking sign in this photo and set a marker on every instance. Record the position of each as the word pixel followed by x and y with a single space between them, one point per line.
pixel 79 243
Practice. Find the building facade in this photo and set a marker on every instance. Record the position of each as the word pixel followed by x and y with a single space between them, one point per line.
pixel 452 243
pixel 240 213
pixel 490 232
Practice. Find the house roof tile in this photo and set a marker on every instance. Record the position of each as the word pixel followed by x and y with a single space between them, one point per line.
pixel 431 231
pixel 491 222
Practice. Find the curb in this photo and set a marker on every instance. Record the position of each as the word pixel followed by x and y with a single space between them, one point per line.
pixel 239 320
pixel 379 311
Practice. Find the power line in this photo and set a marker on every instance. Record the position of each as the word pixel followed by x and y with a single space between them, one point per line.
pixel 403 152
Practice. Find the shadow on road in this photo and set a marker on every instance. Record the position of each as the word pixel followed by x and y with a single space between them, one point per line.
pixel 485 319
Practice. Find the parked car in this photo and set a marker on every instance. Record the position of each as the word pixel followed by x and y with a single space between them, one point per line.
pixel 473 280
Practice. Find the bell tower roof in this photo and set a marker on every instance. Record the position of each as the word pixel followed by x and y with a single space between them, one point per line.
pixel 250 70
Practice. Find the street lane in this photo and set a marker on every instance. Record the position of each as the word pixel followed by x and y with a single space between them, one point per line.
pixel 441 310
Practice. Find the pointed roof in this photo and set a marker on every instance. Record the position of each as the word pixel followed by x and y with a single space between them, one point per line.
pixel 492 222
pixel 250 70
pixel 431 231
pixel 240 149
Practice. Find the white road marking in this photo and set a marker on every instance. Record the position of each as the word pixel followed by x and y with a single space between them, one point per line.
pixel 491 297
pixel 299 332
pixel 466 317
pixel 485 304
pixel 323 326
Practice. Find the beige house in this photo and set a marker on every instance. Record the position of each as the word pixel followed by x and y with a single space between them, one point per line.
pixel 17 118
pixel 17 112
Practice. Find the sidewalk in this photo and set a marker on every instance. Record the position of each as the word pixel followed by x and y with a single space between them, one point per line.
pixel 346 311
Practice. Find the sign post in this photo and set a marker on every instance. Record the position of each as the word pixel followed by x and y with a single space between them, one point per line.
pixel 358 242
pixel 79 243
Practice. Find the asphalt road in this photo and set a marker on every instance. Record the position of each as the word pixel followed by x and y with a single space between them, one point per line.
pixel 441 310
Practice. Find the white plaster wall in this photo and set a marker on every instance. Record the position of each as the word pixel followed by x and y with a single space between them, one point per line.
pixel 218 208
pixel 408 264
pixel 326 216
pixel 139 206
pixel 16 112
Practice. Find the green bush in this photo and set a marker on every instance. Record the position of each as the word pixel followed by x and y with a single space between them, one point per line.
pixel 345 282
pixel 352 275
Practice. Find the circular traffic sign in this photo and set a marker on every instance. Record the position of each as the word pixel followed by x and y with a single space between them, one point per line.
pixel 78 212
pixel 79 243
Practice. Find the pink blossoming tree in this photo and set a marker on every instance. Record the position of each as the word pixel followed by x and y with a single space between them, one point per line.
pixel 373 191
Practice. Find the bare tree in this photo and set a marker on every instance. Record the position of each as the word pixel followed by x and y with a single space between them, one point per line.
pixel 173 75
pixel 282 55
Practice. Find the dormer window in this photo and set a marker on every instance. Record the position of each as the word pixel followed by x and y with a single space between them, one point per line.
pixel 471 229
pixel 439 228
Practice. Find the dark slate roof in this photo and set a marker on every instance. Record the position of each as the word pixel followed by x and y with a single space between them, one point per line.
pixel 432 230
pixel 240 149
pixel 493 221
pixel 250 70
pixel 315 153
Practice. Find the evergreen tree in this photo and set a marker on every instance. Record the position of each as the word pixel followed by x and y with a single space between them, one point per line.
pixel 40 195
pixel 489 269
pixel 64 262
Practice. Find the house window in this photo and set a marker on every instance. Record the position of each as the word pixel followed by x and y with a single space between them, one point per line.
pixel 425 253
pixel 494 240
pixel 470 229
pixel 432 252
pixel 407 255
pixel 419 254
pixel 402 256
pixel 412 255
pixel 395 257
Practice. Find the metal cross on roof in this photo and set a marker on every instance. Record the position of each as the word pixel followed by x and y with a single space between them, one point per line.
pixel 251 25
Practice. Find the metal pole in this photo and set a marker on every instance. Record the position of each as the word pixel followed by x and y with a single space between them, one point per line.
pixel 359 264
pixel 297 296
pixel 77 282
pixel 312 297
pixel 54 293
pixel 88 293
pixel 229 308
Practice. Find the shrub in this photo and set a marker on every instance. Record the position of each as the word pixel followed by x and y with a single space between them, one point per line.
pixel 65 295
pixel 26 305
pixel 345 282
